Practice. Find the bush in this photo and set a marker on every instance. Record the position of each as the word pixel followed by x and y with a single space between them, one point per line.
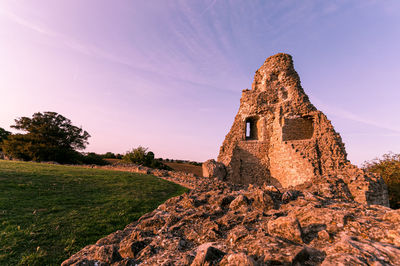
pixel 137 156
pixel 109 155
pixel 141 156
pixel 3 136
pixel 93 158
pixel 389 168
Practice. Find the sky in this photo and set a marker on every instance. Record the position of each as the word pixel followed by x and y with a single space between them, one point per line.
pixel 168 75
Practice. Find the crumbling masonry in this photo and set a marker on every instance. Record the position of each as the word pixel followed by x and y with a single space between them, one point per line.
pixel 279 137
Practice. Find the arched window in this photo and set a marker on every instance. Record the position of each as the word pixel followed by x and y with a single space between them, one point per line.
pixel 251 128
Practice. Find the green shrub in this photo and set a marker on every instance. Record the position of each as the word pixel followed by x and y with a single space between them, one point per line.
pixel 109 155
pixel 141 156
pixel 93 158
pixel 3 135
pixel 389 168
pixel 137 156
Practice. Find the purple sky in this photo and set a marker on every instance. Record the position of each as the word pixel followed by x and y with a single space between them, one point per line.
pixel 168 75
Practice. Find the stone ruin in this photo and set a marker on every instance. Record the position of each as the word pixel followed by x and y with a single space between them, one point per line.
pixel 278 137
pixel 281 193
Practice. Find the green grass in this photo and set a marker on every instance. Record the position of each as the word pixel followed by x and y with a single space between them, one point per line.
pixel 49 212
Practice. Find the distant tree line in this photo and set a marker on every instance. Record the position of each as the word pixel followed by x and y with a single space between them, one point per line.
pixel 49 136
pixel 180 161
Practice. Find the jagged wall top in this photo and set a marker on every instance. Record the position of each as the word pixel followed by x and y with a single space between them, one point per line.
pixel 280 65
pixel 279 80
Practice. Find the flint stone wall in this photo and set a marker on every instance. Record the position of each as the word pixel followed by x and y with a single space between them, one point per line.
pixel 293 142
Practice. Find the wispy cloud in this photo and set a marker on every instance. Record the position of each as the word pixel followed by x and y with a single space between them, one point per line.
pixel 94 51
pixel 342 113
pixel 25 23
pixel 209 6
pixel 41 29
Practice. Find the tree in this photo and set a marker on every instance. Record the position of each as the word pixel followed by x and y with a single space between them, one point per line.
pixel 50 137
pixel 389 168
pixel 3 135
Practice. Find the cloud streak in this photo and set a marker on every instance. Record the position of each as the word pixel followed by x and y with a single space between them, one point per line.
pixel 345 114
pixel 93 51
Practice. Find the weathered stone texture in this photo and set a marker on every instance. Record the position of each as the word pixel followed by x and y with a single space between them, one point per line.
pixel 211 168
pixel 219 223
pixel 280 138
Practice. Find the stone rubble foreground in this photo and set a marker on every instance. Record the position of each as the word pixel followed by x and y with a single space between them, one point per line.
pixel 217 223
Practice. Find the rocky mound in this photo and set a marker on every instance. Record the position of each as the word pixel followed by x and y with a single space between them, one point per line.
pixel 217 223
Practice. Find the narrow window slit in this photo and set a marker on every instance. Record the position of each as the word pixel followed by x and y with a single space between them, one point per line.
pixel 251 131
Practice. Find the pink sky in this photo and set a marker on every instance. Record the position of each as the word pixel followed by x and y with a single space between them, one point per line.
pixel 168 74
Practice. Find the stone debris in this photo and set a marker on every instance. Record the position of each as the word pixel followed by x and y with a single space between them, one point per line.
pixel 281 193
pixel 219 223
pixel 212 168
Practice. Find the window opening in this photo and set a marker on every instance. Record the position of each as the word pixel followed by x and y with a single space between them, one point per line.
pixel 247 129
pixel 251 128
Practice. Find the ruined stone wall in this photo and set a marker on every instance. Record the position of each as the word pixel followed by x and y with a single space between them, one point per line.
pixel 298 128
pixel 284 114
pixel 288 166
pixel 249 164
pixel 293 142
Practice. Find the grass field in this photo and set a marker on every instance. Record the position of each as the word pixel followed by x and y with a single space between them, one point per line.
pixel 48 212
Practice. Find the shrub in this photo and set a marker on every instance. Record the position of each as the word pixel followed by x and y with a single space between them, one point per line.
pixel 141 156
pixel 389 168
pixel 137 156
pixel 109 155
pixel 3 135
pixel 93 158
